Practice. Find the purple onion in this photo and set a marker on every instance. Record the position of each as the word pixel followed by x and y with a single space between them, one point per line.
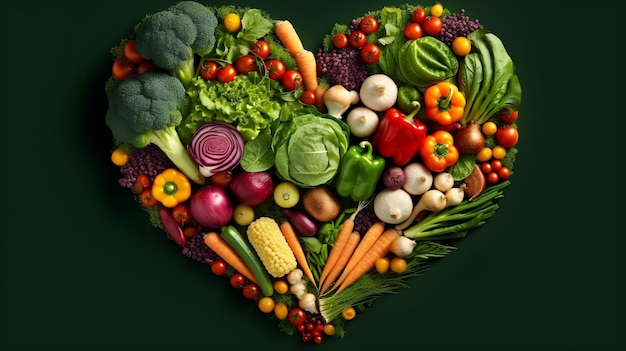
pixel 302 223
pixel 216 147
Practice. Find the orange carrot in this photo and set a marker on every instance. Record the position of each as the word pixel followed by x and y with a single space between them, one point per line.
pixel 288 36
pixel 335 251
pixel 294 243
pixel 365 245
pixel 215 241
pixel 307 66
pixel 366 263
pixel 346 253
pixel 319 97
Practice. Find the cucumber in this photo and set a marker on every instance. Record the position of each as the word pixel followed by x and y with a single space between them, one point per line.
pixel 243 248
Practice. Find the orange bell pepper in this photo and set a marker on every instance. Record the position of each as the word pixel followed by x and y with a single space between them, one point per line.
pixel 444 103
pixel 438 151
pixel 171 187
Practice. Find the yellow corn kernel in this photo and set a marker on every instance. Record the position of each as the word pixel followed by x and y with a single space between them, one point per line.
pixel 269 243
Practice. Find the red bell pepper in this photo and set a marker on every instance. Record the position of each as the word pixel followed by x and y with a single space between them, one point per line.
pixel 399 137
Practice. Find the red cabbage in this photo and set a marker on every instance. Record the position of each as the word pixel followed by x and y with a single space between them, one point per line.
pixel 216 147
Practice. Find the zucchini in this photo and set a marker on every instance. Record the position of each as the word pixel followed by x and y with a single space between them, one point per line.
pixel 233 237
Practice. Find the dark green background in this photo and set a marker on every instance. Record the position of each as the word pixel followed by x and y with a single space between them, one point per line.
pixel 81 269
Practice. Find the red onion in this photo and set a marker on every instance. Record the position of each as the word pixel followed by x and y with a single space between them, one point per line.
pixel 216 147
pixel 211 207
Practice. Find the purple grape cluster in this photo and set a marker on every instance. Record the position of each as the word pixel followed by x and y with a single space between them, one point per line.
pixel 455 25
pixel 196 249
pixel 342 66
pixel 149 160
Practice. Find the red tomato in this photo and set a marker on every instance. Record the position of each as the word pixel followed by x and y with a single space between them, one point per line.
pixel 143 180
pixel 504 173
pixel 508 116
pixel 291 80
pixel 122 69
pixel 432 25
pixel 357 39
pixel 370 53
pixel 418 15
pixel 368 24
pixel 275 69
pixel 493 178
pixel 226 74
pixel 413 31
pixel 181 214
pixel 507 136
pixel 260 48
pixel 340 41
pixel 130 52
pixel 245 64
pixel 297 316
pixel 189 231
pixel 221 179
pixel 308 97
pixel 496 165
pixel 147 199
pixel 146 66
pixel 486 168
pixel 208 70
pixel 218 267
pixel 237 280
pixel 251 291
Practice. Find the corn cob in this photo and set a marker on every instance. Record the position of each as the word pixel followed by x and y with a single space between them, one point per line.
pixel 269 243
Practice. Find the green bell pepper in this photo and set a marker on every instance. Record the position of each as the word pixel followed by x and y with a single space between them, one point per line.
pixel 360 172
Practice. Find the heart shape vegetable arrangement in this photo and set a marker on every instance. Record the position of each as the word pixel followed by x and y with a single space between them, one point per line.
pixel 314 181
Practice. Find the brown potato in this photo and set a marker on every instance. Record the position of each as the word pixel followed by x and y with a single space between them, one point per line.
pixel 322 203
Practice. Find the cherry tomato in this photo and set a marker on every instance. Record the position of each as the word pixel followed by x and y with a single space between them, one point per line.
pixel 281 310
pixel 461 46
pixel 147 199
pixel 398 264
pixel 281 286
pixel 251 291
pixel 208 70
pixel 143 180
pixel 308 97
pixel 484 155
pixel 368 24
pixel 436 10
pixel 504 173
pixel 348 313
pixel 120 157
pixel 486 167
pixel 232 22
pixel 291 80
pixel 275 69
pixel 266 304
pixel 493 178
pixel 340 41
pixel 413 31
pixel 130 52
pixel 122 69
pixel 260 48
pixel 357 39
pixel 508 116
pixel 382 265
pixel 370 53
pixel 189 231
pixel 329 329
pixel 181 214
pixel 218 267
pixel 499 152
pixel 318 338
pixel 432 25
pixel 297 316
pixel 221 179
pixel 489 128
pixel 237 280
pixel 146 66
pixel 418 15
pixel 226 74
pixel 496 165
pixel 507 137
pixel 245 64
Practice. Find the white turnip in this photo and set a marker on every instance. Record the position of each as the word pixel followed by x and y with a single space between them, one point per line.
pixel 419 179
pixel 393 206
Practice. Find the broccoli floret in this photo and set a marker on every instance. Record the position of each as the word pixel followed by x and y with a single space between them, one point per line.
pixel 171 38
pixel 146 109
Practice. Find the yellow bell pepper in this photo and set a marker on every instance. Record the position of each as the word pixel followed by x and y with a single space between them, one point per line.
pixel 171 187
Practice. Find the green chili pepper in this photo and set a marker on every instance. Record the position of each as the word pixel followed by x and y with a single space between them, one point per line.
pixel 360 172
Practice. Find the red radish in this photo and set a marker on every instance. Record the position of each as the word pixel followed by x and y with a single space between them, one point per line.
pixel 211 207
pixel 172 228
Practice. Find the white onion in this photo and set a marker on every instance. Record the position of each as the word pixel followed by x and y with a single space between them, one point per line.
pixel 216 147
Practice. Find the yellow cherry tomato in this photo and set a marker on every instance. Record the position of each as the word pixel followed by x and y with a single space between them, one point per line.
pixel 266 304
pixel 120 157
pixel 489 128
pixel 499 152
pixel 348 313
pixel 461 46
pixel 436 10
pixel 484 155
pixel 281 286
pixel 382 265
pixel 329 329
pixel 281 310
pixel 286 195
pixel 232 22
pixel 398 264
pixel 243 214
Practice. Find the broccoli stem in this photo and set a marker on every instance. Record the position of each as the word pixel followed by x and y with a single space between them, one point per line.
pixel 168 141
pixel 185 73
